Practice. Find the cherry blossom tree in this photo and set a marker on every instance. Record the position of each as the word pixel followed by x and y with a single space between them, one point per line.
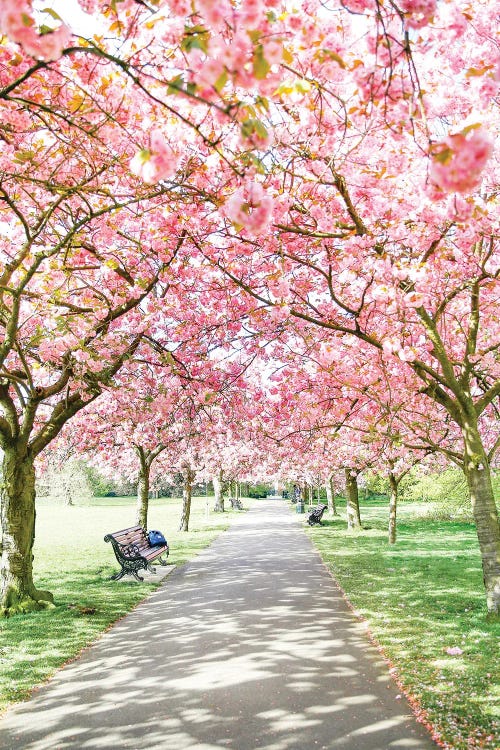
pixel 334 162
pixel 382 233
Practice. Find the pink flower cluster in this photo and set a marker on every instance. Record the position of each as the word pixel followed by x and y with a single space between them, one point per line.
pixel 159 162
pixel 250 207
pixel 17 23
pixel 89 6
pixel 459 160
pixel 359 6
pixel 418 12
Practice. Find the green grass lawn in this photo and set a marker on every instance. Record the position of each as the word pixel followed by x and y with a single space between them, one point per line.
pixel 420 597
pixel 74 563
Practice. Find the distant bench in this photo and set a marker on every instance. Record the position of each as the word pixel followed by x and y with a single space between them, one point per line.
pixel 316 514
pixel 134 552
pixel 235 503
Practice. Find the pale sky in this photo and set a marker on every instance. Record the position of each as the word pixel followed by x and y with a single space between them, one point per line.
pixel 69 10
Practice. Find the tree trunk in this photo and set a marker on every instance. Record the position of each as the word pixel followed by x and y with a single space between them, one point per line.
pixel 352 497
pixel 142 490
pixel 310 494
pixel 187 491
pixel 393 503
pixel 219 497
pixel 17 512
pixel 68 491
pixel 477 473
pixel 330 496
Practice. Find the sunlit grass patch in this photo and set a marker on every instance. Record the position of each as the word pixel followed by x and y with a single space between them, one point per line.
pixel 75 564
pixel 424 601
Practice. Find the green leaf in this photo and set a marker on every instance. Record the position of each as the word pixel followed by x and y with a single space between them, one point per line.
pixel 221 81
pixel 470 128
pixel 254 35
pixel 257 163
pixel 260 129
pixel 262 102
pixel 247 128
pixel 329 53
pixel 251 126
pixel 260 65
pixel 175 85
pixel 21 157
pixel 443 156
pixel 52 13
pixel 195 37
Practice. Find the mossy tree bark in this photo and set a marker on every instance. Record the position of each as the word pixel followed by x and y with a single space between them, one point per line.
pixel 146 457
pixel 187 492
pixel 217 480
pixel 143 482
pixel 484 509
pixel 18 593
pixel 330 496
pixel 393 506
pixel 352 497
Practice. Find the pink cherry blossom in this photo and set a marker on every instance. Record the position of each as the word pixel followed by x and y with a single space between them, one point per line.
pixel 250 207
pixel 17 22
pixel 180 7
pixel 418 12
pixel 459 160
pixel 159 162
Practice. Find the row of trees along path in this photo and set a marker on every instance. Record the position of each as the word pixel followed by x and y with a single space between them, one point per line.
pixel 299 202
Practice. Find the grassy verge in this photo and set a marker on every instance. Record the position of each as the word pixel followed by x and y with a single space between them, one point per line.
pixel 73 562
pixel 421 598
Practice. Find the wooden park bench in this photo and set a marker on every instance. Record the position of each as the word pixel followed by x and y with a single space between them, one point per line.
pixel 316 514
pixel 134 552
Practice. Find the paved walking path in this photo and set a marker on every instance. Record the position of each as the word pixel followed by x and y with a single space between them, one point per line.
pixel 249 646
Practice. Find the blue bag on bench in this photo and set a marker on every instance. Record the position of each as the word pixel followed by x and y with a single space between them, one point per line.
pixel 156 538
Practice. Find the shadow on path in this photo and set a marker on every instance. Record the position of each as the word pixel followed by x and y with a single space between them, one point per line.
pixel 249 646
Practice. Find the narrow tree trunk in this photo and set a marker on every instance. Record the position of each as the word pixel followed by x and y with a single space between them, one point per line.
pixel 330 496
pixel 142 489
pixel 187 492
pixel 477 473
pixel 393 503
pixel 219 497
pixel 352 497
pixel 68 495
pixel 17 512
pixel 68 491
pixel 310 494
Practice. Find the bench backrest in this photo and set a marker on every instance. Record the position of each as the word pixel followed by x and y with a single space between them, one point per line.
pixel 134 535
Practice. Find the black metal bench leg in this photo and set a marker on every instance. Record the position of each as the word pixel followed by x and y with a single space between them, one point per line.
pixel 151 569
pixel 161 561
pixel 136 575
pixel 117 576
